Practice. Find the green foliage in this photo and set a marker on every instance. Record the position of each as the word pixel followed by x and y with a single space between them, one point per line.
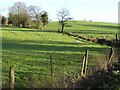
pixel 35 24
pixel 44 18
pixel 3 20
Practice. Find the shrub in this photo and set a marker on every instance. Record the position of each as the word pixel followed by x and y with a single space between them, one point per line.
pixel 101 41
pixel 94 40
pixel 109 43
pixel 105 76
pixel 105 79
pixel 88 39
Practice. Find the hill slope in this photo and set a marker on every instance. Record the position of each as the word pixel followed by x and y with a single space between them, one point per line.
pixel 29 51
pixel 89 29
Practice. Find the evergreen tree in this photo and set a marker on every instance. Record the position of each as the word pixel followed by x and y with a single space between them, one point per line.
pixel 44 18
pixel 3 20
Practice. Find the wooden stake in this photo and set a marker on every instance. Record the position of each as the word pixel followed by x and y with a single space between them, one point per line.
pixel 111 54
pixel 51 68
pixel 11 73
pixel 84 65
pixel 116 38
pixel 86 61
pixel 82 70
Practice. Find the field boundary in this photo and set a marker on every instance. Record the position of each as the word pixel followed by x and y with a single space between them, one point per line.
pixel 102 41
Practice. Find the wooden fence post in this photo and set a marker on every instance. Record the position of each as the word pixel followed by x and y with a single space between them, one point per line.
pixel 86 61
pixel 82 70
pixel 84 65
pixel 111 54
pixel 51 68
pixel 11 75
pixel 116 38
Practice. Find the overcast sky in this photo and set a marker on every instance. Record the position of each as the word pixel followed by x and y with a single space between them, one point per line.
pixel 96 10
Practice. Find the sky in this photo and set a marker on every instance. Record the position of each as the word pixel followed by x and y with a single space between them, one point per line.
pixel 95 10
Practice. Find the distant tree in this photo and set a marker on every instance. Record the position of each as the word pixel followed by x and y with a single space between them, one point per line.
pixel 10 19
pixel 63 17
pixel 90 20
pixel 3 20
pixel 35 14
pixel 18 14
pixel 44 18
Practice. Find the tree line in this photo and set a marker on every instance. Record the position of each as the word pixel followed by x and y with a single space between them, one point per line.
pixel 33 16
pixel 22 16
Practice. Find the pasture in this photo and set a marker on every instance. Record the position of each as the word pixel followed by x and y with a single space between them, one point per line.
pixel 29 50
pixel 89 29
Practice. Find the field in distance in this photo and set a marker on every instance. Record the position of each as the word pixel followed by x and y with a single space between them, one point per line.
pixel 89 29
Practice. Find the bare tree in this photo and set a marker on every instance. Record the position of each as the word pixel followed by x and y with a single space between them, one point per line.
pixel 63 17
pixel 35 14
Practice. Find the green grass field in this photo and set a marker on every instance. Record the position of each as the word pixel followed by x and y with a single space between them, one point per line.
pixel 89 29
pixel 29 51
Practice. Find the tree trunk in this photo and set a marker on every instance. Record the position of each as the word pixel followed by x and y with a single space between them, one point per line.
pixel 62 28
pixel 43 26
pixel 23 24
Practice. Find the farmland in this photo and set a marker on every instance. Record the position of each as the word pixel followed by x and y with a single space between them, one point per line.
pixel 90 29
pixel 29 50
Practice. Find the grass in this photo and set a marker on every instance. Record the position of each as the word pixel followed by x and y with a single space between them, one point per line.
pixel 89 29
pixel 29 51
